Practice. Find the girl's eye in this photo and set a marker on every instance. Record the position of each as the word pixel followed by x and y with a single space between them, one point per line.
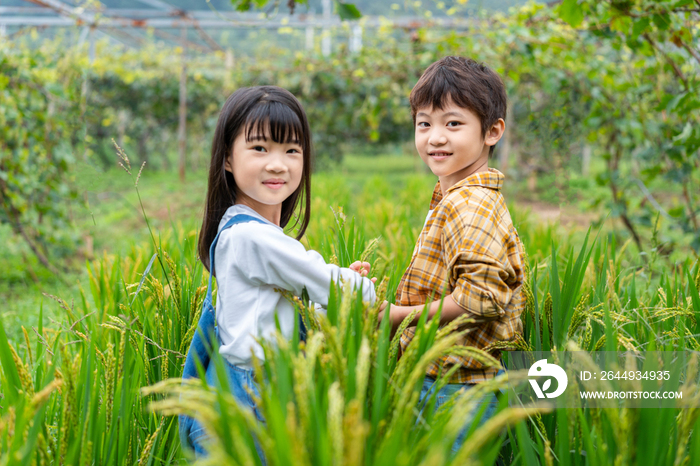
pixel 294 151
pixel 259 148
pixel 452 124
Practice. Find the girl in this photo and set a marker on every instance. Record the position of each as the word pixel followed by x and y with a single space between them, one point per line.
pixel 259 176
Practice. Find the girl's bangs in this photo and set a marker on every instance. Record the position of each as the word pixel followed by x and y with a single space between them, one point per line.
pixel 276 120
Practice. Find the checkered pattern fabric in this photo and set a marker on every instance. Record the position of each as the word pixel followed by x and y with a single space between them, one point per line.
pixel 469 248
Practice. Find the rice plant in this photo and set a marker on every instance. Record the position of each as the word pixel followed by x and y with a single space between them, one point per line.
pixel 99 385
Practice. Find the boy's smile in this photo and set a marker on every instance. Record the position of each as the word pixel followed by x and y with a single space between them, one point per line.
pixel 450 142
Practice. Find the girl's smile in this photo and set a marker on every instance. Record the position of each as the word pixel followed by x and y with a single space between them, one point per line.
pixel 274 183
pixel 266 172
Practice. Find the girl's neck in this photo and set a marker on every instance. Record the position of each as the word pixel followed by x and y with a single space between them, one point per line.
pixel 272 213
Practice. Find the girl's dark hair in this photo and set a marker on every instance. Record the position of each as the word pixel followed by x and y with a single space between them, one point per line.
pixel 255 110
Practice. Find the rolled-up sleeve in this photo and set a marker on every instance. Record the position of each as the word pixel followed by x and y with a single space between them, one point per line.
pixel 481 276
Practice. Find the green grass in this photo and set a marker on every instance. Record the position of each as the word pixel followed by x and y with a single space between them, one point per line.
pixel 392 190
pixel 102 330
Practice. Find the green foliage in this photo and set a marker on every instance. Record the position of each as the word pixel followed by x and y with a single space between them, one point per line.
pixel 621 84
pixel 38 123
pixel 346 11
pixel 343 396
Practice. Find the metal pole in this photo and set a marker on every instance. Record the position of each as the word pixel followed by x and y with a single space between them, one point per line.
pixel 85 88
pixel 326 39
pixel 182 110
pixel 309 38
pixel 356 40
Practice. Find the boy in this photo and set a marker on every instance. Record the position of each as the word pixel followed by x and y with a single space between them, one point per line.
pixel 468 249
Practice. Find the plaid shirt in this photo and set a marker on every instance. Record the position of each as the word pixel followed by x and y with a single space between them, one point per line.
pixel 469 248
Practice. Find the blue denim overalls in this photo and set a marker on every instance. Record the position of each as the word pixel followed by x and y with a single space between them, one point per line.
pixel 191 431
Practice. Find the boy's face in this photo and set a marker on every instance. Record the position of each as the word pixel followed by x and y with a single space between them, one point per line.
pixel 449 141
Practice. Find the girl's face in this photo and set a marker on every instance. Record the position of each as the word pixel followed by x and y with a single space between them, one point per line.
pixel 266 172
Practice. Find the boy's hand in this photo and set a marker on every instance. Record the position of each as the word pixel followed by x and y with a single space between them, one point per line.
pixel 362 268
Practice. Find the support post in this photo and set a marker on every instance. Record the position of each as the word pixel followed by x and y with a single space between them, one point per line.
pixel 326 39
pixel 182 110
pixel 229 62
pixel 356 40
pixel 586 160
pixel 89 33
pixel 309 38
pixel 506 144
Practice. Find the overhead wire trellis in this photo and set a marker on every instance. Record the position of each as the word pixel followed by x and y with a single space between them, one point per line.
pixel 129 25
pixel 160 16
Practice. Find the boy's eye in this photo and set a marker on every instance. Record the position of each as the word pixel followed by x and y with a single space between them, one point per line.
pixel 423 124
pixel 452 124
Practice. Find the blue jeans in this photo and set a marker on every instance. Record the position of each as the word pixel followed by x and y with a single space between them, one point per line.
pixel 446 393
pixel 239 380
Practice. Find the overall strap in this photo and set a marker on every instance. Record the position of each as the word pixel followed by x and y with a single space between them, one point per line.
pixel 240 218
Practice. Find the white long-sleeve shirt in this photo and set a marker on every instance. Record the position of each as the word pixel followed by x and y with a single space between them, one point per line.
pixel 251 260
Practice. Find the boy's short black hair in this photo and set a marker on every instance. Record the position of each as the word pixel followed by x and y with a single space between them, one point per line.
pixel 469 84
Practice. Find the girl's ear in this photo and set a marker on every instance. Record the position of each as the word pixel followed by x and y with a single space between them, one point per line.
pixel 495 133
pixel 228 164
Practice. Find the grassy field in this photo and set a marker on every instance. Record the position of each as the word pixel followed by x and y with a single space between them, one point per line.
pixel 111 221
pixel 343 397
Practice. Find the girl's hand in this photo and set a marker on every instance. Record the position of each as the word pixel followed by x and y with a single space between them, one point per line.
pixel 362 268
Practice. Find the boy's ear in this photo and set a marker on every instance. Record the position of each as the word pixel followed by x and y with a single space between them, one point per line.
pixel 495 133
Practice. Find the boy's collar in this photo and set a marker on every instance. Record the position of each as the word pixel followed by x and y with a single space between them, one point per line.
pixel 491 179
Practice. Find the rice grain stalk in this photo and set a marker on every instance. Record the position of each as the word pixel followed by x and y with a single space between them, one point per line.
pixel 517 344
pixel 150 441
pixel 332 341
pixel 599 344
pixel 303 371
pixel 43 395
pixel 362 372
pixel 296 434
pixel 110 379
pixel 493 427
pixel 579 316
pixel 336 404
pixel 69 412
pixel 355 431
pixel 175 283
pixel 464 404
pixel 407 377
pixel 29 346
pixel 187 339
pixel 344 312
pixel 157 292
pixel 84 458
pixel 547 313
pixel 188 397
pixel 396 340
pixel 548 459
pixel 25 377
pixel 688 416
pixel 584 340
pixel 370 324
pixel 482 357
